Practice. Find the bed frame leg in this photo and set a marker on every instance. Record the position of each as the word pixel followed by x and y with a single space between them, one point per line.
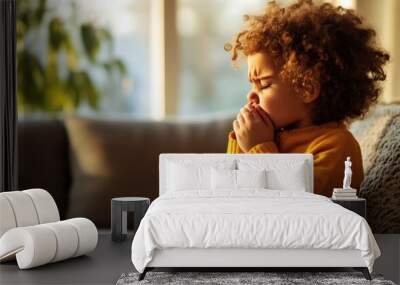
pixel 364 271
pixel 143 274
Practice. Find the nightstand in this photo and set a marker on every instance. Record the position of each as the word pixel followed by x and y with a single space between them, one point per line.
pixel 358 206
pixel 119 208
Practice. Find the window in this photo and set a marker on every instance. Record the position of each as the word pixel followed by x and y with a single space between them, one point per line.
pixel 63 77
pixel 208 83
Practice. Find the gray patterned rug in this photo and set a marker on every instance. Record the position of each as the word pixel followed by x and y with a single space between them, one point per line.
pixel 230 278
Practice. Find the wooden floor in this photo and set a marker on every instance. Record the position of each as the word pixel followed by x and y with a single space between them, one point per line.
pixel 110 259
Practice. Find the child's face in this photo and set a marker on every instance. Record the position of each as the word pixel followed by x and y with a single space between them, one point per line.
pixel 273 95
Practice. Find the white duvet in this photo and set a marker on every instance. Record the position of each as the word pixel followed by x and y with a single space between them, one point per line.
pixel 250 219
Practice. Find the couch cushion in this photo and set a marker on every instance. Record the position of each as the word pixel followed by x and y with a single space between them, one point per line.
pixel 379 138
pixel 43 158
pixel 113 158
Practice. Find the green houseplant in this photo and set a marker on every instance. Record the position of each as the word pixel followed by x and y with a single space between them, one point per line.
pixel 55 57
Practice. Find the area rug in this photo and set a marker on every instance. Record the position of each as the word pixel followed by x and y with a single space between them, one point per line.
pixel 231 278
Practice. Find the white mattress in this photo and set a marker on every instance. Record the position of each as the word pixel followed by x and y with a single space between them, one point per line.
pixel 252 218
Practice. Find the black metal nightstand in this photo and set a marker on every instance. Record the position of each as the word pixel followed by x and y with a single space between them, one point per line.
pixel 358 205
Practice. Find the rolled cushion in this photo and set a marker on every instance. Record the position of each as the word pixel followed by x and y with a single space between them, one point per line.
pixel 45 205
pixel 33 246
pixel 40 244
pixel 7 220
pixel 67 237
pixel 87 233
pixel 23 208
pixel 26 208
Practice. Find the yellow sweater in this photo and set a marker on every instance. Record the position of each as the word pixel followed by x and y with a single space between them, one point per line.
pixel 329 143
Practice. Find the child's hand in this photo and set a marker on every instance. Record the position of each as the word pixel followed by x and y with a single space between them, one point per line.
pixel 252 126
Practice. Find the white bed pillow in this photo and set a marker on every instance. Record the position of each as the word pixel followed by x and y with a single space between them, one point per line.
pixel 191 174
pixel 237 179
pixel 223 179
pixel 281 174
pixel 189 177
pixel 291 179
pixel 251 178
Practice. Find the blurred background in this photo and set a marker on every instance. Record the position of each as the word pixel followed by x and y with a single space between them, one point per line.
pixel 150 59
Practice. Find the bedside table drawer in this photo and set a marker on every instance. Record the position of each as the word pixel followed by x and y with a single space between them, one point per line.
pixel 358 206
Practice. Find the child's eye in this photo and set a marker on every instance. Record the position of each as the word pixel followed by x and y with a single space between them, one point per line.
pixel 265 86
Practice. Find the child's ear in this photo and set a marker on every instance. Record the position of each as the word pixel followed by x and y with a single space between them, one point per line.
pixel 312 93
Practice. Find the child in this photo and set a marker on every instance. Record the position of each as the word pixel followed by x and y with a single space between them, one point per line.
pixel 312 67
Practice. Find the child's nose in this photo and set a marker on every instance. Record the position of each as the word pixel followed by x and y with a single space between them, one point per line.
pixel 253 97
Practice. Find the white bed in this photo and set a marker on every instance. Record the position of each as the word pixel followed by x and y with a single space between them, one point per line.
pixel 250 227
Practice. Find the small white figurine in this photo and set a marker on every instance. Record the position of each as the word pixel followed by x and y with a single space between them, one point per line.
pixel 347 174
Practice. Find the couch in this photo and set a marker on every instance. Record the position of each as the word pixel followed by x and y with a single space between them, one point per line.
pixel 85 161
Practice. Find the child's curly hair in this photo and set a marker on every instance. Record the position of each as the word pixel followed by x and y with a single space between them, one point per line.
pixel 319 45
